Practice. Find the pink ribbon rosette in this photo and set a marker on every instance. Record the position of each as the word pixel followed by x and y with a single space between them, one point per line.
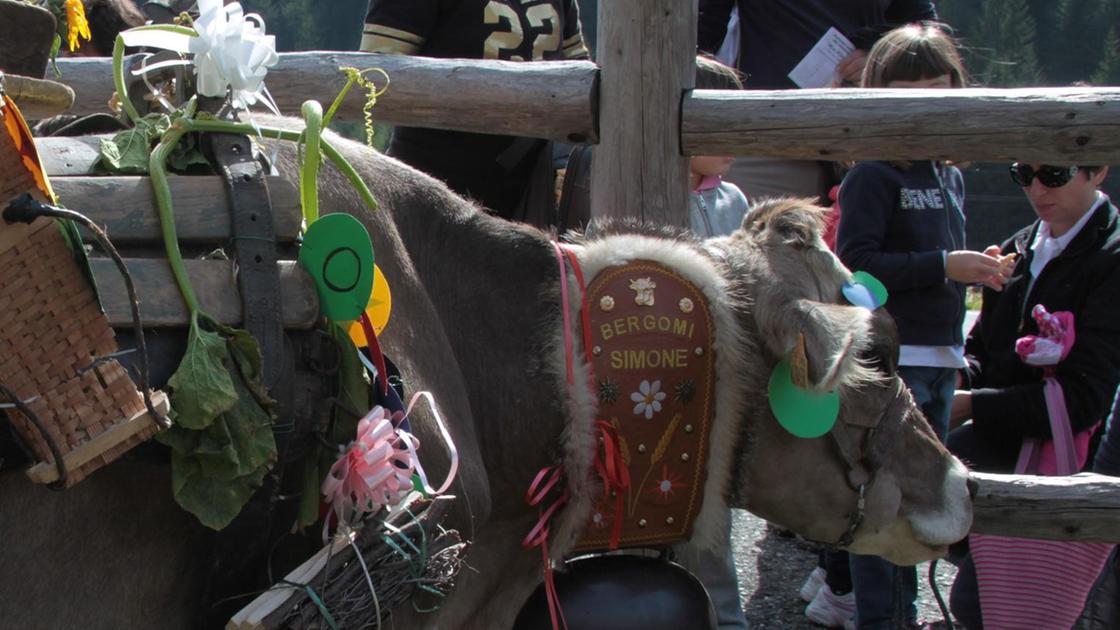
pixel 374 471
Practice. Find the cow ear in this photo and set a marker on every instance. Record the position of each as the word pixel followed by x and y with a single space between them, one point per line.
pixel 828 340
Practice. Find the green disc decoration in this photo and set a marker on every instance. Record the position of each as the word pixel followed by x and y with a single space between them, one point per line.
pixel 337 252
pixel 799 411
pixel 864 286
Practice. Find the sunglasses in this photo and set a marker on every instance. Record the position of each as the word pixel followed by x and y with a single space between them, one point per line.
pixel 1049 176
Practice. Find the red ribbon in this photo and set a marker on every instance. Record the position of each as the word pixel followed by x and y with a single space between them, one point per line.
pixel 375 354
pixel 543 483
pixel 614 473
pixel 608 465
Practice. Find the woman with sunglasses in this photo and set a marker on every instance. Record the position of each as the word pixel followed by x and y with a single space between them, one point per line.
pixel 1067 261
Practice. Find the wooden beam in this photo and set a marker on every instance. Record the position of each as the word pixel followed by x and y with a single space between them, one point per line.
pixel 161 304
pixel 1083 507
pixel 647 53
pixel 1049 125
pixel 125 207
pixel 547 99
pixel 68 157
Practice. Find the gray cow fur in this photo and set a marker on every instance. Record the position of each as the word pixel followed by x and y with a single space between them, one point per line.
pixel 476 314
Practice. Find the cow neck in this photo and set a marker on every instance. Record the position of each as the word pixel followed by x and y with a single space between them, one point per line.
pixel 493 285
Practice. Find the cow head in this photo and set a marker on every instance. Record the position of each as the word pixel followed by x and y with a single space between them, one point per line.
pixel 914 492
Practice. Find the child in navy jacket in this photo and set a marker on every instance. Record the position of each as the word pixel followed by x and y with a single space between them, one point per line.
pixel 903 222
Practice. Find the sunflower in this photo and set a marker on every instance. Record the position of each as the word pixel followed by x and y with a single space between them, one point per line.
pixel 76 23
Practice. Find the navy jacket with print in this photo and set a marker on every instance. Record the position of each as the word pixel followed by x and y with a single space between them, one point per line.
pixel 898 224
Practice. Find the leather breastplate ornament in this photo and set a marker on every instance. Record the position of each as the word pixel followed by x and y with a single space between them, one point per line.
pixel 651 352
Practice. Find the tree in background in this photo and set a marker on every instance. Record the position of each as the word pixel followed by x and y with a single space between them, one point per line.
pixel 1011 43
pixel 1108 70
pixel 312 24
pixel 1084 26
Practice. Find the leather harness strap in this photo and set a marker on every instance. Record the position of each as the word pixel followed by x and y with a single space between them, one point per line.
pixel 258 277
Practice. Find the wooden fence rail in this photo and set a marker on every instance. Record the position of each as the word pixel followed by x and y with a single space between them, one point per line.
pixel 1050 125
pixel 559 100
pixel 547 99
pixel 1083 507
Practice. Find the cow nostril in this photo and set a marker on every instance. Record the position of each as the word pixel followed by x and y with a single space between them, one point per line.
pixel 973 487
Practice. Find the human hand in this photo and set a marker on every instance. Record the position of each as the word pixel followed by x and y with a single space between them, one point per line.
pixel 850 68
pixel 1006 261
pixel 973 267
pixel 961 409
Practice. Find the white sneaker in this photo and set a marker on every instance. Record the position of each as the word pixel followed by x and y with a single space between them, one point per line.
pixel 812 584
pixel 833 611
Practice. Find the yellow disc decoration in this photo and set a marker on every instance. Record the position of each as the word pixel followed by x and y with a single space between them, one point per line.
pixel 378 310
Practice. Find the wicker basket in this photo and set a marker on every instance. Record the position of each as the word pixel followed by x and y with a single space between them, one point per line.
pixel 52 330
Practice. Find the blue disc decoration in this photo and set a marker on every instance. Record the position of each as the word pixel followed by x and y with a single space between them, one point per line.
pixel 865 290
pixel 800 411
pixel 338 254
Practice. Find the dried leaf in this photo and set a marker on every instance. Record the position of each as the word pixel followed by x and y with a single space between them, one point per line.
pixel 799 364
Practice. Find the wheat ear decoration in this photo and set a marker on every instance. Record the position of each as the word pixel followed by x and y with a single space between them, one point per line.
pixel 658 453
pixel 666 437
pixel 623 445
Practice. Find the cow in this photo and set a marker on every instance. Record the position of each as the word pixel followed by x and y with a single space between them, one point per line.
pixel 478 322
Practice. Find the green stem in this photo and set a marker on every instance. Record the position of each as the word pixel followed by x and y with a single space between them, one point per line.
pixel 338 101
pixel 309 172
pixel 355 179
pixel 353 76
pixel 157 166
pixel 118 80
pixel 213 125
pixel 118 64
pixel 336 158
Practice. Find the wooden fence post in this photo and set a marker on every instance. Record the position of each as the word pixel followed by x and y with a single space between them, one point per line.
pixel 646 52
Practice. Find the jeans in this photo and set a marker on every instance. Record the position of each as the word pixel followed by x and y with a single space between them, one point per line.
pixel 933 389
pixel 837 573
pixel 873 579
pixel 964 597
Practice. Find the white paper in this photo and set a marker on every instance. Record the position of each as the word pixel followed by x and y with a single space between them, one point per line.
pixel 818 68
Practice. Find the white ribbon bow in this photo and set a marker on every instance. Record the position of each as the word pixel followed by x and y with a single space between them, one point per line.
pixel 231 52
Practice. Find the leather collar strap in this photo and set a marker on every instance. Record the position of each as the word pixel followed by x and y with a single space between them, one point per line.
pixel 861 473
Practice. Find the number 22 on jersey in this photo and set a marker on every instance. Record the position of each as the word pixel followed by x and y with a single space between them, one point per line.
pixel 510 41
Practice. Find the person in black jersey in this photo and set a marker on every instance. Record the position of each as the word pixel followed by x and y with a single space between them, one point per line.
pixel 493 170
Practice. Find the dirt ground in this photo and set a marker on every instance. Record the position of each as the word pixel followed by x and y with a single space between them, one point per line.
pixel 771 568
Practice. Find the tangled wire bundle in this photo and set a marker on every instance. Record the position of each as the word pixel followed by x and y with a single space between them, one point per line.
pixel 406 556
